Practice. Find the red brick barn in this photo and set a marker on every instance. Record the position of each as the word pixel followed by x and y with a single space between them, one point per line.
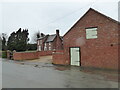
pixel 50 42
pixel 92 42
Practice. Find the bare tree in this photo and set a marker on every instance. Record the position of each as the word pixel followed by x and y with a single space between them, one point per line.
pixel 36 36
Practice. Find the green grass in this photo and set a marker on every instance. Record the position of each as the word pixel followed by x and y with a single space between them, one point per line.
pixel 0 54
pixel 31 51
pixel 4 54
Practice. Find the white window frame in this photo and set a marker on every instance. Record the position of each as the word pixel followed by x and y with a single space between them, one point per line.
pixel 45 44
pixel 45 47
pixel 91 33
pixel 39 48
pixel 49 47
pixel 38 42
pixel 49 43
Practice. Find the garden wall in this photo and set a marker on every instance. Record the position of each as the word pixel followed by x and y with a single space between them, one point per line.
pixel 44 53
pixel 30 55
pixel 58 57
pixel 25 55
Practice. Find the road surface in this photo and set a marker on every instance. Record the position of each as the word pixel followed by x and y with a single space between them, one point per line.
pixel 34 74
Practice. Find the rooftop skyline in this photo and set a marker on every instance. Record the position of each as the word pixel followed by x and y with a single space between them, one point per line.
pixel 46 17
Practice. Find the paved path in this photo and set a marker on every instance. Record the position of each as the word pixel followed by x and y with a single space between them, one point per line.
pixel 37 74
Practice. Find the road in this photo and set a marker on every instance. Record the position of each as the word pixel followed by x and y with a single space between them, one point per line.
pixel 0 74
pixel 34 74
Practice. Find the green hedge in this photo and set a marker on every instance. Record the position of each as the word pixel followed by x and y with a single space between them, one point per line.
pixel 0 54
pixel 4 54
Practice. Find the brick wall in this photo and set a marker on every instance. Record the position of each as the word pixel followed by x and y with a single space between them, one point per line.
pixel 101 52
pixel 58 57
pixel 25 55
pixel 44 53
pixel 30 55
pixel 58 45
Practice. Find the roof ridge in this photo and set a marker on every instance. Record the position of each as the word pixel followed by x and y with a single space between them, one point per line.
pixel 96 12
pixel 50 38
pixel 104 15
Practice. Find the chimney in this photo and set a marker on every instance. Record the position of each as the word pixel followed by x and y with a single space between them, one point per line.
pixel 57 32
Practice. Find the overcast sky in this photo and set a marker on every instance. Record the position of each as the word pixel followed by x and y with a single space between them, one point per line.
pixel 46 16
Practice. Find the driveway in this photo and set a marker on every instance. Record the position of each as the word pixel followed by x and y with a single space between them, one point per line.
pixel 41 73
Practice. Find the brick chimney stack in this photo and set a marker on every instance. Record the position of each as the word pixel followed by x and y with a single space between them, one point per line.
pixel 58 41
pixel 57 32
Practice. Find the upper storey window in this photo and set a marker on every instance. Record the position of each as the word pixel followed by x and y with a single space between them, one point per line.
pixel 91 33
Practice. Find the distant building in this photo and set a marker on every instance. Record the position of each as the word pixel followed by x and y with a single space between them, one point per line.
pixel 50 42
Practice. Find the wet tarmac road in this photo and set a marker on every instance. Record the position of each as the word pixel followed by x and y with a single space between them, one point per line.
pixel 45 75
pixel 0 74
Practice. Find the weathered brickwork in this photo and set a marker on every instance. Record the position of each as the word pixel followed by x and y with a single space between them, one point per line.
pixel 25 55
pixel 101 52
pixel 44 53
pixel 30 55
pixel 58 57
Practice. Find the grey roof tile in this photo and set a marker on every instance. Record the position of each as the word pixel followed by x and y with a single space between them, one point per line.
pixel 51 38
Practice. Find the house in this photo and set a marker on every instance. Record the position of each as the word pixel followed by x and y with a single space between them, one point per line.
pixel 91 42
pixel 50 42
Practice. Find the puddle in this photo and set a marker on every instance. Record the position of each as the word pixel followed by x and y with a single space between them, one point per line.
pixel 35 65
pixel 108 75
pixel 60 68
pixel 112 78
pixel 22 63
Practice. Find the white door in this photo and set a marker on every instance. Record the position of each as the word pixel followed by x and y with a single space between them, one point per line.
pixel 75 56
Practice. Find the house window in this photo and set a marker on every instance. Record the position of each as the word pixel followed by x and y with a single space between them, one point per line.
pixel 40 41
pixel 49 43
pixel 45 44
pixel 49 47
pixel 91 33
pixel 39 48
pixel 45 47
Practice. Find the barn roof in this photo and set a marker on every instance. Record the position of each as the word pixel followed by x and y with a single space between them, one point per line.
pixel 96 12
